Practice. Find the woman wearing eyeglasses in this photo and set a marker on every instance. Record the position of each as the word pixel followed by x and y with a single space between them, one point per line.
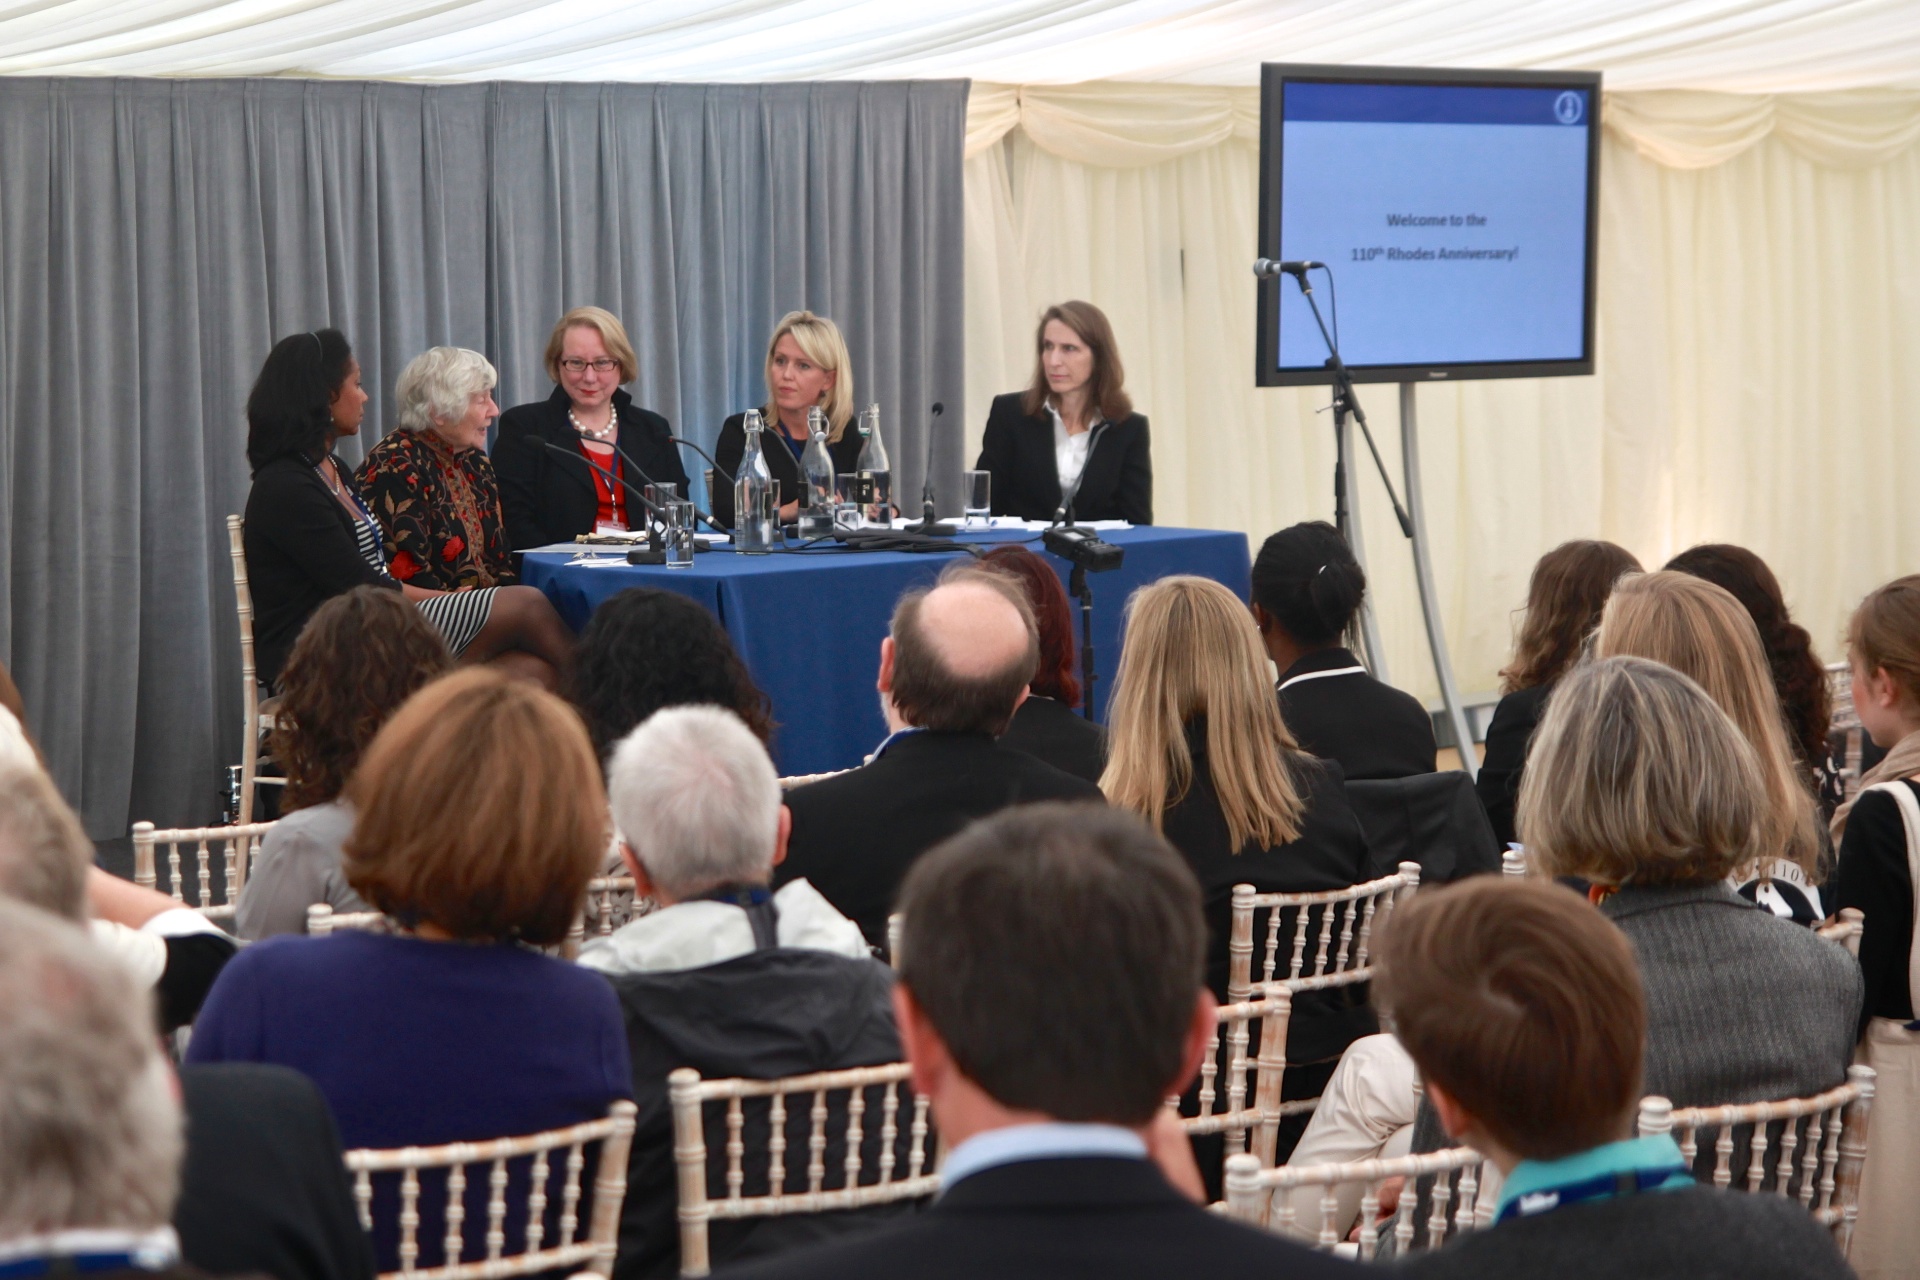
pixel 549 496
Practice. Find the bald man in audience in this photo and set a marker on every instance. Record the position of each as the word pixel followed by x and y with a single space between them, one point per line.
pixel 953 670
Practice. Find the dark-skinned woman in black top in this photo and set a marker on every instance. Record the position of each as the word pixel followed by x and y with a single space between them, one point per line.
pixel 309 536
pixel 1072 436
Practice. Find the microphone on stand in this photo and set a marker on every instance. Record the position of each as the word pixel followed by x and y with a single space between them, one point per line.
pixel 929 523
pixel 1063 515
pixel 653 554
pixel 1267 268
pixel 718 470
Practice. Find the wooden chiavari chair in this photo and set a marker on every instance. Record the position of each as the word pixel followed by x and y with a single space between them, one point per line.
pixel 235 849
pixel 1462 1198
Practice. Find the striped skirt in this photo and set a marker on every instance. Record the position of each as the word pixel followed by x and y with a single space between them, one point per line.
pixel 458 615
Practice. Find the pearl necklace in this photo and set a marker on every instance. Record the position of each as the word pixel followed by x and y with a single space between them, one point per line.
pixel 603 434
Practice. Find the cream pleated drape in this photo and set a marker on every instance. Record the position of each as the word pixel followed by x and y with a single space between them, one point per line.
pixel 1759 345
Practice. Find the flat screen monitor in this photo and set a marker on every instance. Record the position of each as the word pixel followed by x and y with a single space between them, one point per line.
pixel 1455 213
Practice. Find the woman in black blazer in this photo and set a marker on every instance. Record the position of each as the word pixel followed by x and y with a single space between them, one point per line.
pixel 807 365
pixel 546 497
pixel 309 536
pixel 1306 589
pixel 1196 746
pixel 1077 422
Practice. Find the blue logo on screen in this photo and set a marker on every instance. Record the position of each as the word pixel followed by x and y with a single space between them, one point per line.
pixel 1568 107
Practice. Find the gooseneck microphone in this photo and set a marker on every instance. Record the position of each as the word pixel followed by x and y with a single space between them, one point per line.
pixel 1063 515
pixel 929 522
pixel 1267 268
pixel 718 470
pixel 653 531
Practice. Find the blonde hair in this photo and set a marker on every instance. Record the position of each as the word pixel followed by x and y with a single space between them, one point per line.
pixel 612 333
pixel 1192 650
pixel 438 385
pixel 1701 631
pixel 1637 776
pixel 819 340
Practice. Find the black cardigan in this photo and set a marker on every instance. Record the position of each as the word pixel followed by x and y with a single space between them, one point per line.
pixel 784 467
pixel 301 552
pixel 1117 483
pixel 1508 734
pixel 1873 876
pixel 543 497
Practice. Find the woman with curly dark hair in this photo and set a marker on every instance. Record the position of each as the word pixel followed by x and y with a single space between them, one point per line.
pixel 1046 726
pixel 360 656
pixel 1798 675
pixel 1565 597
pixel 645 649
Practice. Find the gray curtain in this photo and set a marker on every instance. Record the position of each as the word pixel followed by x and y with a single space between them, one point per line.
pixel 156 237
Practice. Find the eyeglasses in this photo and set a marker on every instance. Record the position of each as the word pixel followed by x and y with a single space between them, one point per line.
pixel 575 365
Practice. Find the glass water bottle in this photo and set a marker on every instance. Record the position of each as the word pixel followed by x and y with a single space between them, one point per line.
pixel 876 473
pixel 756 513
pixel 816 516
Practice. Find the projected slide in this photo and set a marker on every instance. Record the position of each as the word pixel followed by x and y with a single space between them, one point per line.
pixel 1454 218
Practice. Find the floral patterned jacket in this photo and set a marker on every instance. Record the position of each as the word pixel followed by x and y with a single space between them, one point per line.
pixel 439 511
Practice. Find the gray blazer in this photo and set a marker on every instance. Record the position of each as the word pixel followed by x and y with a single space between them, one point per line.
pixel 1742 1006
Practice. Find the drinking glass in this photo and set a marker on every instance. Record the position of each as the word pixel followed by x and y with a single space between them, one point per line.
pixel 679 534
pixel 846 493
pixel 976 488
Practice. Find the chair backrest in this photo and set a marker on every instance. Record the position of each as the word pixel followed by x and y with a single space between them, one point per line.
pixel 1844 730
pixel 1331 932
pixel 611 902
pixel 593 1254
pixel 1462 1198
pixel 802 779
pixel 323 920
pixel 249 688
pixel 238 848
pixel 1847 926
pixel 1239 1091
pixel 1513 863
pixel 1434 819
pixel 861 1182
pixel 1809 1149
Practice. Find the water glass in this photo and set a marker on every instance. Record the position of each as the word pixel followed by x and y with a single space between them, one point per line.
pixel 679 533
pixel 976 490
pixel 846 494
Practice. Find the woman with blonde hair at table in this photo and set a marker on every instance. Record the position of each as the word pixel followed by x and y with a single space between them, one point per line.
pixel 807 366
pixel 1072 435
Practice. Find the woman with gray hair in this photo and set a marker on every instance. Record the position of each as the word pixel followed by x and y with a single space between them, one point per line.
pixel 431 487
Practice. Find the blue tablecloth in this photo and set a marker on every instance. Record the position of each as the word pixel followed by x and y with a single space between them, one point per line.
pixel 809 624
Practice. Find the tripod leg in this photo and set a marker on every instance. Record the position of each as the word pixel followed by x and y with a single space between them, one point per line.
pixel 1347 520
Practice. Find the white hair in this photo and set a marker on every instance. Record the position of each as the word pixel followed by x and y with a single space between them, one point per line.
pixel 696 797
pixel 90 1132
pixel 439 384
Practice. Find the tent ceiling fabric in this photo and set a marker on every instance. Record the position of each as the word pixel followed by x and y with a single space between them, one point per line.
pixel 1739 46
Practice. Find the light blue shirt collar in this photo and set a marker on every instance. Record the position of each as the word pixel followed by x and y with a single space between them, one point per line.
pixel 1547 1177
pixel 892 738
pixel 1052 1140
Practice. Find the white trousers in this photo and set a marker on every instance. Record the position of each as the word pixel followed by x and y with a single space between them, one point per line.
pixel 1366 1113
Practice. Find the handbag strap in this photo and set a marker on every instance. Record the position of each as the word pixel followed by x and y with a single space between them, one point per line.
pixel 1910 818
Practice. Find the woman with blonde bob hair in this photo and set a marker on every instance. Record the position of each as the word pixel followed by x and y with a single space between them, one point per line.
pixel 480 818
pixel 1641 785
pixel 548 496
pixel 1702 631
pixel 807 366
pixel 1196 746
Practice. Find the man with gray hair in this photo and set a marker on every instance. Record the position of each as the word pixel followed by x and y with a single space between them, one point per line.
pixel 953 670
pixel 726 976
pixel 90 1131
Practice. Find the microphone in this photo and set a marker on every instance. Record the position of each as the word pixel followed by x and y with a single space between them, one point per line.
pixel 929 523
pixel 642 473
pixel 1267 268
pixel 1064 515
pixel 653 532
pixel 719 470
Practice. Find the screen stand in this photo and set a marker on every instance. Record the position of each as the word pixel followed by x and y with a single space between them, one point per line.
pixel 1423 575
pixel 1346 518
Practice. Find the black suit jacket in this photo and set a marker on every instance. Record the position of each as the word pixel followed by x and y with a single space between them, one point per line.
pixel 301 552
pixel 732 445
pixel 1507 737
pixel 1372 729
pixel 855 836
pixel 1059 1219
pixel 1056 733
pixel 1018 449
pixel 544 498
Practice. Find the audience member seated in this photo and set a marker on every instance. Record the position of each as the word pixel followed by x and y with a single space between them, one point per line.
pixel 1701 631
pixel 726 976
pixel 1522 1008
pixel 1047 726
pixel 431 486
pixel 480 818
pixel 46 861
pixel 1569 588
pixel 1051 996
pixel 1198 748
pixel 361 655
pixel 1307 589
pixel 1799 677
pixel 90 1161
pixel 953 671
pixel 1878 851
pixel 646 649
